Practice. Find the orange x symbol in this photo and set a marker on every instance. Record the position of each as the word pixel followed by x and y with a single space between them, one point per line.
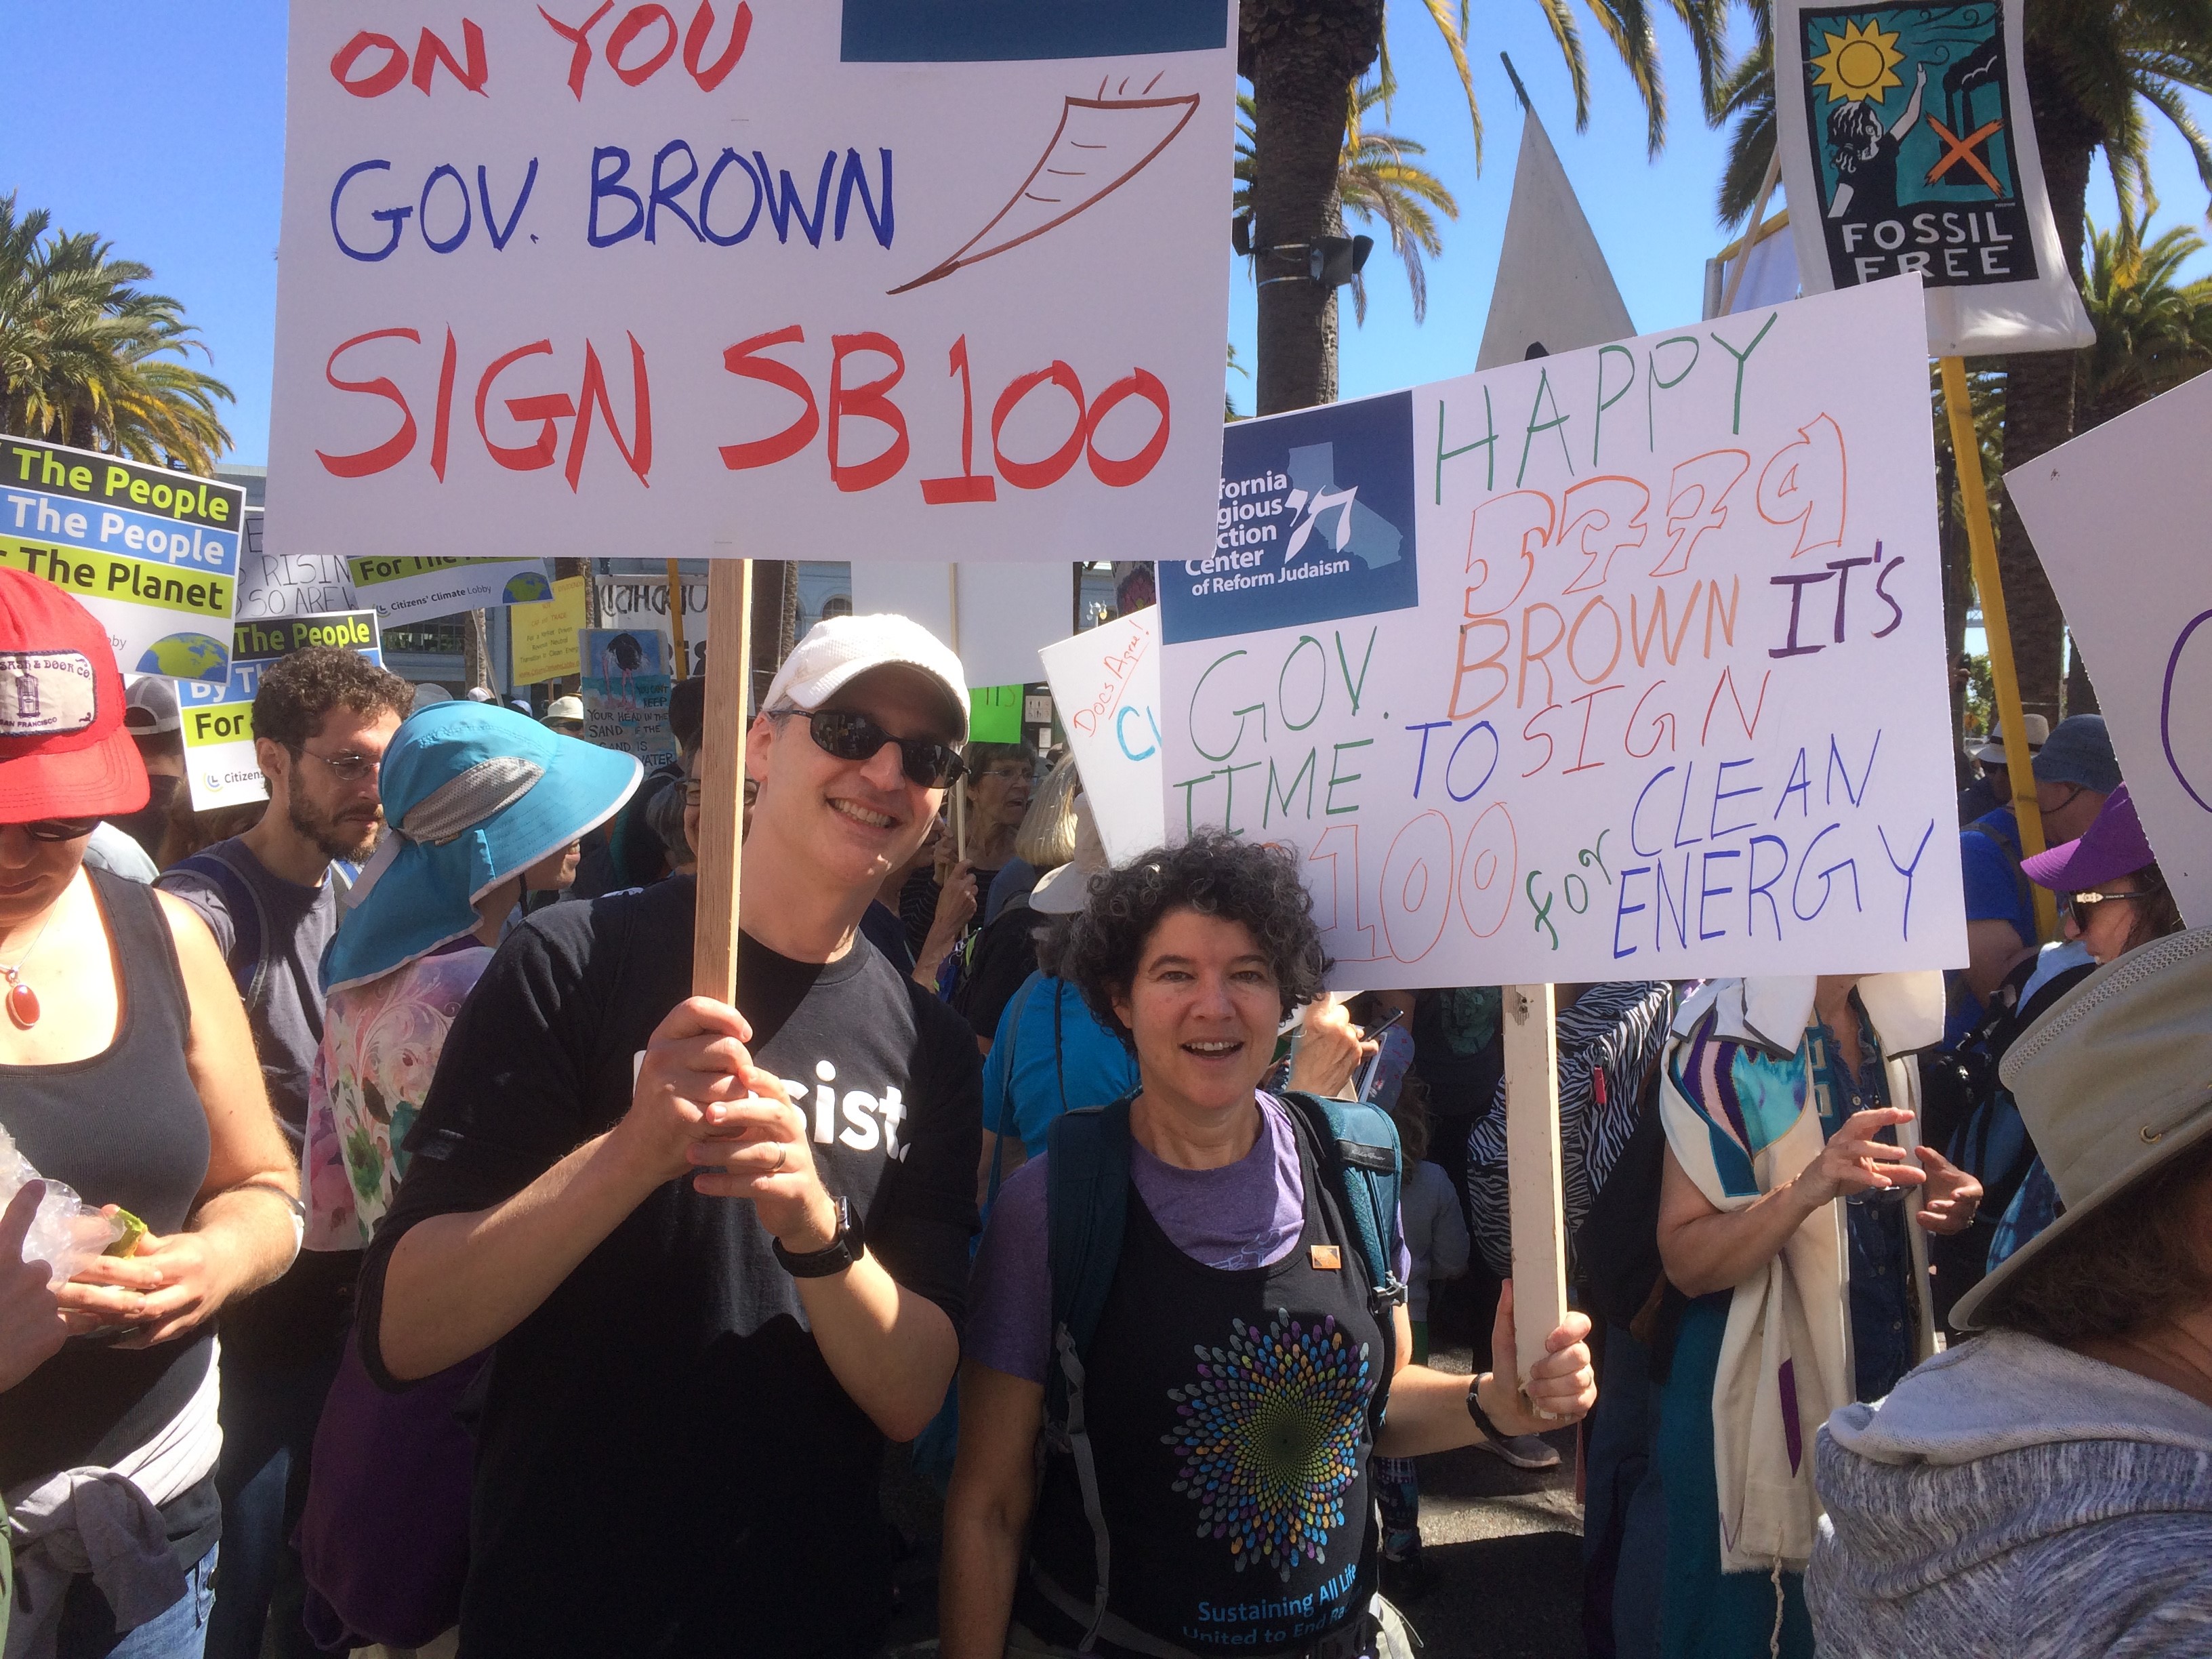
pixel 1958 149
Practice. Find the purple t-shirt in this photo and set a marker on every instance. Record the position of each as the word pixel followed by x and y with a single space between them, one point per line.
pixel 1243 1215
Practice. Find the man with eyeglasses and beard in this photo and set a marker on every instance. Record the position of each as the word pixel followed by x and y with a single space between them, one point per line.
pixel 322 717
pixel 719 1253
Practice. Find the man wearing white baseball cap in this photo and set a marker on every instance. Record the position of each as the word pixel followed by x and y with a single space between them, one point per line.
pixel 710 1307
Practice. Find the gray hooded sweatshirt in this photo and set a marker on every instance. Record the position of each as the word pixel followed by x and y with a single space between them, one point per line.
pixel 2016 1499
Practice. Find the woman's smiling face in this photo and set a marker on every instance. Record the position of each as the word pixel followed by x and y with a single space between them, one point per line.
pixel 1203 1005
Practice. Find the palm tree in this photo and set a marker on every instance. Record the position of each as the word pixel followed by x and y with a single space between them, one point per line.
pixel 1377 180
pixel 88 358
pixel 1301 58
pixel 2095 70
pixel 2154 331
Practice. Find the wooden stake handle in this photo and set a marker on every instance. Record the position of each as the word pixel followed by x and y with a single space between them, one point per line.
pixel 682 666
pixel 1532 1173
pixel 721 780
pixel 1981 545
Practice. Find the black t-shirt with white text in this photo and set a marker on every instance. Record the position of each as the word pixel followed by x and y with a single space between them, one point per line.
pixel 665 1463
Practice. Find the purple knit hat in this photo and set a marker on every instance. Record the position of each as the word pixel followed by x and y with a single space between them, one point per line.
pixel 2114 845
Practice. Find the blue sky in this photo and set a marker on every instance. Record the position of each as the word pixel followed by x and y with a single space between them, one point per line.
pixel 160 124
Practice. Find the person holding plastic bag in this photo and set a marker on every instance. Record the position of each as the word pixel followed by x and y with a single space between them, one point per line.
pixel 127 1071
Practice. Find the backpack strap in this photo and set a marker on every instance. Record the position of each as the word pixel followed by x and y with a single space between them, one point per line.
pixel 248 928
pixel 1357 1144
pixel 1006 1124
pixel 1086 1210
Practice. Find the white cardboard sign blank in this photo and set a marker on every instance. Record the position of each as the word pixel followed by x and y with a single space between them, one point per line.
pixel 2119 518
pixel 1106 687
pixel 996 617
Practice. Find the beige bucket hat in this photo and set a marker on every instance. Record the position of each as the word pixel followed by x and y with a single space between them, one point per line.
pixel 2113 1083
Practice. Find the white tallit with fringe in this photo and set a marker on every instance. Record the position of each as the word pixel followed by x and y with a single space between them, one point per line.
pixel 1741 1126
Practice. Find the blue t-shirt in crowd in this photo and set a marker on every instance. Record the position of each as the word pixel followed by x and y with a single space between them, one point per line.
pixel 1092 1066
pixel 1995 891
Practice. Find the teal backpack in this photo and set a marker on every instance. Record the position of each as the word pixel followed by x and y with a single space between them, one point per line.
pixel 1355 1147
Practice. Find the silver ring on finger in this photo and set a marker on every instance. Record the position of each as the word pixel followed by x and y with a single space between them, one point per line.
pixel 782 1155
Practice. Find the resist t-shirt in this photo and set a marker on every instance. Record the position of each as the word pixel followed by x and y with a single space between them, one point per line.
pixel 665 1463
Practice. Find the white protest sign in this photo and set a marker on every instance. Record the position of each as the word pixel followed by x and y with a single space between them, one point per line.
pixel 152 554
pixel 1106 685
pixel 996 617
pixel 276 584
pixel 1906 146
pixel 1622 664
pixel 867 276
pixel 409 589
pixel 217 720
pixel 2119 517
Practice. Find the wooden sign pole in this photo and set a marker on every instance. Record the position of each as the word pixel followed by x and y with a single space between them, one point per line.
pixel 722 776
pixel 681 665
pixel 1989 587
pixel 1532 1169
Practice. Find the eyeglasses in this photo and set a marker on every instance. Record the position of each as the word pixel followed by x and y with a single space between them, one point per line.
pixel 347 768
pixel 55 829
pixel 854 736
pixel 1008 773
pixel 2084 905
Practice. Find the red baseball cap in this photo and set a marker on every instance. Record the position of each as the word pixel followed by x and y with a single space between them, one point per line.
pixel 64 751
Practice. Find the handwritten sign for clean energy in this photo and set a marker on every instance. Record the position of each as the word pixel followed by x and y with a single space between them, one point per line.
pixel 152 554
pixel 408 588
pixel 1625 663
pixel 932 281
pixel 1106 685
pixel 2143 621
pixel 220 766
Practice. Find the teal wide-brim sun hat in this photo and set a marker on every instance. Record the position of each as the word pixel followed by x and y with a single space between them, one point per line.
pixel 473 795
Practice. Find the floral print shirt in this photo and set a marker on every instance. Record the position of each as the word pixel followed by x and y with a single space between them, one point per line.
pixel 381 1044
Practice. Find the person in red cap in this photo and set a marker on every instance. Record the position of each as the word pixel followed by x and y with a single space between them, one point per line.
pixel 127 1071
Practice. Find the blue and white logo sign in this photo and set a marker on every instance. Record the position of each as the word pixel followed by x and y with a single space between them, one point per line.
pixel 1315 522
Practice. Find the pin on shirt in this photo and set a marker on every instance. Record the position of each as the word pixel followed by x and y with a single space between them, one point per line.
pixel 1325 1258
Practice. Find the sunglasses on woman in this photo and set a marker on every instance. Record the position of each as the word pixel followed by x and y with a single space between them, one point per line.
pixel 854 736
pixel 53 829
pixel 2084 905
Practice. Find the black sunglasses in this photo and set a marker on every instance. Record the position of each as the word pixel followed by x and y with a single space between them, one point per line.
pixel 854 736
pixel 52 830
pixel 2084 905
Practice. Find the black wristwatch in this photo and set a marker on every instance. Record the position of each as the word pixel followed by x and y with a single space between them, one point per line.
pixel 841 1253
pixel 1490 1430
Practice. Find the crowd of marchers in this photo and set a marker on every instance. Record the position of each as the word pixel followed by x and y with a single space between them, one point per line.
pixel 434 1270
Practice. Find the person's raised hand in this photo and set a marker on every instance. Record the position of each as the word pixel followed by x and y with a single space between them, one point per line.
pixel 1330 1048
pixel 1854 1161
pixel 696 1060
pixel 758 1149
pixel 956 902
pixel 1561 1386
pixel 31 1330
pixel 1951 1196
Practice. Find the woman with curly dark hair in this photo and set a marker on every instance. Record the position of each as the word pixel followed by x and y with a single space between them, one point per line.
pixel 1222 1413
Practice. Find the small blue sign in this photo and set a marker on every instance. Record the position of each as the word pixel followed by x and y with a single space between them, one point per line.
pixel 1003 31
pixel 1316 523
